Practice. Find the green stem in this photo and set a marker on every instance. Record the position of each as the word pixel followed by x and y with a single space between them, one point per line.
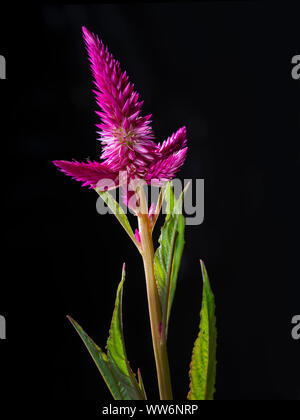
pixel 158 338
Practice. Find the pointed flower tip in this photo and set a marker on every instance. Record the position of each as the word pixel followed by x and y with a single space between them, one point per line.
pixel 152 212
pixel 88 36
pixel 59 163
pixel 86 32
pixel 137 236
pixel 152 209
pixel 124 267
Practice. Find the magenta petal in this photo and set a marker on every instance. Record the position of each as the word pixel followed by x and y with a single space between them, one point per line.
pixel 90 173
pixel 137 236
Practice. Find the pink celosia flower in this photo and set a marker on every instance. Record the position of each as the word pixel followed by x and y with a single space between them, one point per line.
pixel 126 137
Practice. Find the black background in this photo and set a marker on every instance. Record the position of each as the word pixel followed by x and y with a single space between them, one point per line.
pixel 224 71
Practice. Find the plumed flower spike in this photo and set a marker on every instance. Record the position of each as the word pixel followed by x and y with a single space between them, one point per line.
pixel 89 173
pixel 126 136
pixel 174 143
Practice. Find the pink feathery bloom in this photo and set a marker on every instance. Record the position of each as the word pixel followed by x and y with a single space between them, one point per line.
pixel 126 136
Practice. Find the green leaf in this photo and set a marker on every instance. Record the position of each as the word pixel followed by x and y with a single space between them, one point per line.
pixel 114 366
pixel 100 360
pixel 169 196
pixel 141 385
pixel 203 364
pixel 116 351
pixel 118 212
pixel 168 255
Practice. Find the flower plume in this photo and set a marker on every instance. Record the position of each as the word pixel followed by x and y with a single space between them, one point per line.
pixel 127 138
